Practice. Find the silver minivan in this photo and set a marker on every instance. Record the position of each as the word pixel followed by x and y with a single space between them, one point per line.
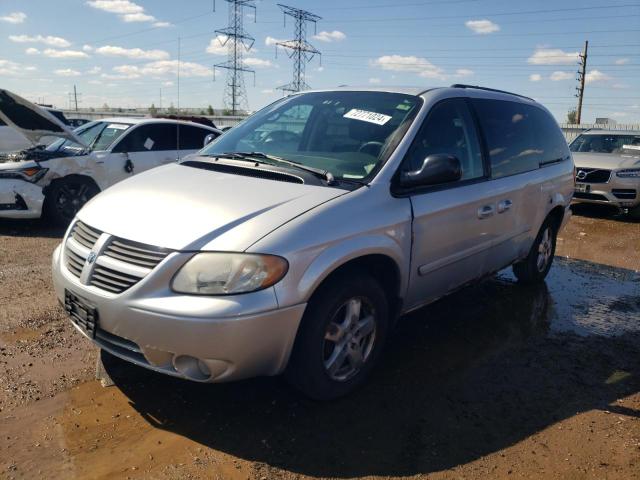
pixel 292 243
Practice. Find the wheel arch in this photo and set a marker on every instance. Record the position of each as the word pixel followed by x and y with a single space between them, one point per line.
pixel 72 176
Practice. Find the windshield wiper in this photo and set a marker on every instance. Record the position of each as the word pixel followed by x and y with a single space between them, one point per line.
pixel 318 172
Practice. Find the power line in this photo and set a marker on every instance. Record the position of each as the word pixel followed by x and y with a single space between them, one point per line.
pixel 487 14
pixel 300 50
pixel 235 38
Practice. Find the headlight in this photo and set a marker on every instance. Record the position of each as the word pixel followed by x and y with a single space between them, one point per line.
pixel 218 273
pixel 30 174
pixel 629 173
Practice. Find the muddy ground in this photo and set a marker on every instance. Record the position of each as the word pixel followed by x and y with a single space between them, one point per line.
pixel 496 381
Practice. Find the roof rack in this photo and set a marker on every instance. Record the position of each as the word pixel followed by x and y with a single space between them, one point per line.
pixel 477 87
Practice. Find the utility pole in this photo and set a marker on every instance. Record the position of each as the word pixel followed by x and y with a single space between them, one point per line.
pixel 236 39
pixel 73 98
pixel 582 73
pixel 300 50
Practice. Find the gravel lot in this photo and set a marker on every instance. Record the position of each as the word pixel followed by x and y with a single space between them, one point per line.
pixel 496 381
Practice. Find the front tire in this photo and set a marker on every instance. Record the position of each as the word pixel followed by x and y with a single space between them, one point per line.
pixel 535 267
pixel 66 197
pixel 341 337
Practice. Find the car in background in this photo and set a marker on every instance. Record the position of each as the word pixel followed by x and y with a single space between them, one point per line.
pixel 608 168
pixel 293 242
pixel 58 179
pixel 12 140
pixel 77 122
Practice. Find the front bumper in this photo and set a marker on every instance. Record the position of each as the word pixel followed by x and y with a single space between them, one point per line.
pixel 20 199
pixel 235 337
pixel 618 192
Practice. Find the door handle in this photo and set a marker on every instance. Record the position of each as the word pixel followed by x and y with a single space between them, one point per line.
pixel 485 212
pixel 504 205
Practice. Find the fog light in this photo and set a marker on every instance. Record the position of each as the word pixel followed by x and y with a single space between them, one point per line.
pixel 192 368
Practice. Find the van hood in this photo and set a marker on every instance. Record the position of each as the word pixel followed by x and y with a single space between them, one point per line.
pixel 30 120
pixel 185 208
pixel 607 161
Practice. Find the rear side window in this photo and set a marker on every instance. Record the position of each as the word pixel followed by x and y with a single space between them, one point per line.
pixel 150 138
pixel 192 138
pixel 520 137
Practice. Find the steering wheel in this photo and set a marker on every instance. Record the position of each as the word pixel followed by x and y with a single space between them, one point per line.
pixel 372 148
pixel 281 136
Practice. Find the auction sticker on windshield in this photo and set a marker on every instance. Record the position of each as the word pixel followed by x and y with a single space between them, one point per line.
pixel 365 116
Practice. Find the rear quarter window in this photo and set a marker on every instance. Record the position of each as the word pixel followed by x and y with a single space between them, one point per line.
pixel 520 137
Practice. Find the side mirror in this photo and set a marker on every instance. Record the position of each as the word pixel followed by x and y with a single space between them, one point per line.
pixel 208 139
pixel 436 169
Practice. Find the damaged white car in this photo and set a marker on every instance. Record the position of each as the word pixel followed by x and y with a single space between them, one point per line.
pixel 58 179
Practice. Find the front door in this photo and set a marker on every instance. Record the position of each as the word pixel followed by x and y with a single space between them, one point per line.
pixel 454 224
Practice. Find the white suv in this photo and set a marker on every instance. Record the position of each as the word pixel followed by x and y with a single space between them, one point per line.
pixel 58 179
pixel 293 242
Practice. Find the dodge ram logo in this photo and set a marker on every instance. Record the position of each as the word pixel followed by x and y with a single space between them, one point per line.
pixel 581 175
pixel 91 257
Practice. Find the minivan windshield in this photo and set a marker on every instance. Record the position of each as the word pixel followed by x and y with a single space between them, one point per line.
pixel 97 135
pixel 349 134
pixel 604 143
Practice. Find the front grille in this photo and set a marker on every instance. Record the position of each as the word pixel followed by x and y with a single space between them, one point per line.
pixel 135 253
pixel 590 196
pixel 75 262
pixel 112 280
pixel 119 263
pixel 85 235
pixel 624 193
pixel 592 175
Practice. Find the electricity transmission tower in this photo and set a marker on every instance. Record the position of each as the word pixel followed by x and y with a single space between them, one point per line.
pixel 582 73
pixel 236 39
pixel 299 49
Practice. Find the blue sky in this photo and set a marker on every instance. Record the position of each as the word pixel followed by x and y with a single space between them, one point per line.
pixel 123 52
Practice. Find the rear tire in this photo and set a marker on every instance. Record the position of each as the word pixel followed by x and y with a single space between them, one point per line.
pixel 536 265
pixel 341 337
pixel 66 197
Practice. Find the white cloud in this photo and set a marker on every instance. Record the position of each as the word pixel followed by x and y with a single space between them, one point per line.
pixel 116 6
pixel 94 70
pixel 138 17
pixel 159 69
pixel 334 36
pixel 87 48
pixel 621 61
pixel 215 46
pixel 51 53
pixel 463 72
pixel 220 44
pixel 32 51
pixel 13 69
pixel 482 26
pixel 94 82
pixel 127 10
pixel 112 51
pixel 167 84
pixel 14 17
pixel 535 77
pixel 419 65
pixel 375 81
pixel 267 91
pixel 552 56
pixel 617 114
pixel 48 40
pixel 258 62
pixel 559 76
pixel 67 72
pixel 595 76
pixel 270 41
